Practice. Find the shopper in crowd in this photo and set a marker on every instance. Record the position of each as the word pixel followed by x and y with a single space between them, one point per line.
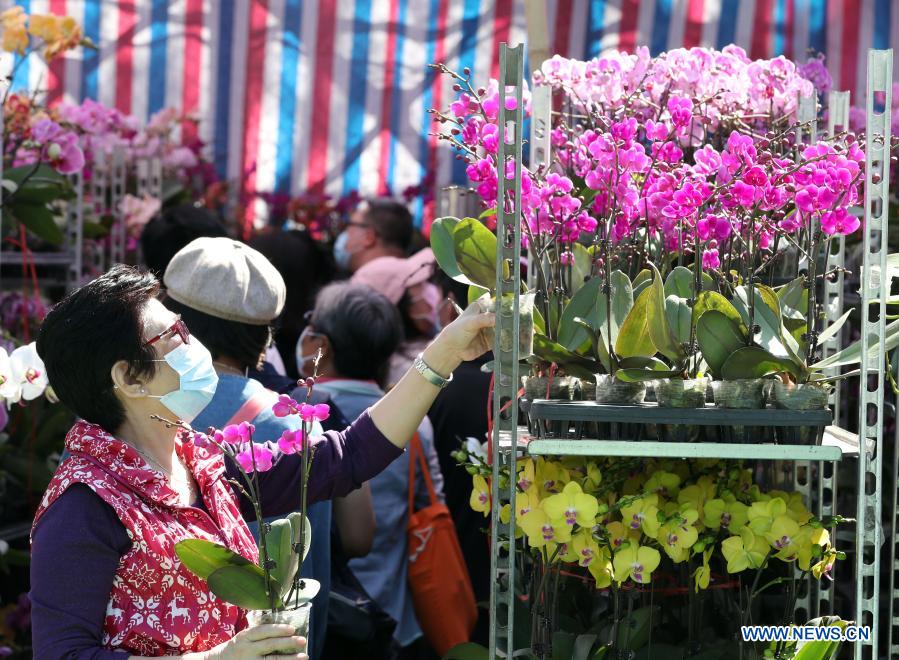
pixel 104 534
pixel 305 268
pixel 378 228
pixel 460 412
pixel 166 234
pixel 406 283
pixel 357 330
pixel 230 295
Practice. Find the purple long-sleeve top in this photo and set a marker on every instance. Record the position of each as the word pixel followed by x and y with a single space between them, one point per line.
pixel 79 540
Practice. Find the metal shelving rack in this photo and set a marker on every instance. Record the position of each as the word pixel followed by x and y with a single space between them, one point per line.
pixel 837 443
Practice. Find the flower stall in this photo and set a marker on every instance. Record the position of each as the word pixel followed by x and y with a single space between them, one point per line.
pixel 675 350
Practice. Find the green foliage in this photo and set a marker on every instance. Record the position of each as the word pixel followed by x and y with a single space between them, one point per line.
pixel 229 575
pixel 660 330
pixel 633 339
pixel 475 248
pixel 444 248
pixel 718 337
pixel 31 193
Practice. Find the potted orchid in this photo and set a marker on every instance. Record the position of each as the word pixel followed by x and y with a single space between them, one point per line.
pixel 271 589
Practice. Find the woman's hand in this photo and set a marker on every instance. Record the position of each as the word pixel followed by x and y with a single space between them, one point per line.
pixel 256 642
pixel 461 340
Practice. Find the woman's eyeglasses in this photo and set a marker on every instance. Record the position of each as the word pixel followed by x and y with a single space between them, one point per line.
pixel 178 327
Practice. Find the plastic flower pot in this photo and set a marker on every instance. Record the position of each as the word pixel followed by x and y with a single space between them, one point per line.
pixel 745 393
pixel 611 391
pixel 557 388
pixel 804 396
pixel 525 324
pixel 297 617
pixel 680 393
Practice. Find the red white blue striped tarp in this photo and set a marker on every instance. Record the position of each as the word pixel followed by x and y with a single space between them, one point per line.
pixel 332 96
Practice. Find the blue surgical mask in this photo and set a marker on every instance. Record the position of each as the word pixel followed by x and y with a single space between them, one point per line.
pixel 197 380
pixel 341 254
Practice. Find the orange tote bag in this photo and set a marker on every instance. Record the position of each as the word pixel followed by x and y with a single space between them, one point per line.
pixel 438 578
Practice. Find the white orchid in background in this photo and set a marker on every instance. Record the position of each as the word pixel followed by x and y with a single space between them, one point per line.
pixel 28 373
pixel 9 389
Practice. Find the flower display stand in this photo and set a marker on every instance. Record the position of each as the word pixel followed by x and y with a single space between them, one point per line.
pixel 561 428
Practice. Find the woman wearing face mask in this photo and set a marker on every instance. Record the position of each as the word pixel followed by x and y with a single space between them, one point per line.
pixel 406 283
pixel 106 582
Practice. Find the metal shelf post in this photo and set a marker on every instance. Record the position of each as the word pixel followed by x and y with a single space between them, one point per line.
pixel 506 352
pixel 875 287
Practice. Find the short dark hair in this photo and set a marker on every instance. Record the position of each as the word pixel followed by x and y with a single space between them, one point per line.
pixel 240 341
pixel 391 221
pixel 165 235
pixel 90 330
pixel 363 326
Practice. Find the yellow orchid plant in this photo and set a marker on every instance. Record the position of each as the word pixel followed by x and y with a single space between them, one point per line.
pixel 627 521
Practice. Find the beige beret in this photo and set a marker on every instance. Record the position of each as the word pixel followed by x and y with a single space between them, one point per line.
pixel 226 279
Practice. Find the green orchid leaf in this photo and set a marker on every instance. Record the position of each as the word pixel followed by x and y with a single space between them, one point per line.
pixel 679 283
pixel 279 543
pixel 581 267
pixel 467 651
pixel 243 586
pixel 643 280
pixel 633 337
pixel 475 292
pixel 641 362
pixel 820 649
pixel 852 353
pixel 793 298
pixel 475 248
pixel 755 362
pixel 583 647
pixel 584 305
pixel 39 220
pixel 444 248
pixel 642 375
pixel 712 300
pixel 622 295
pixel 719 337
pixel 833 328
pixel 203 558
pixel 767 318
pixel 28 175
pixel 539 321
pixel 679 315
pixel 659 328
pixel 563 645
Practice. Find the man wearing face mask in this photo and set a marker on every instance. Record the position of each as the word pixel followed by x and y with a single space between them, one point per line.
pixel 378 228
pixel 406 283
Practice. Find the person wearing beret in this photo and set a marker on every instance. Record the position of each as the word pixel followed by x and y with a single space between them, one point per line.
pixel 106 582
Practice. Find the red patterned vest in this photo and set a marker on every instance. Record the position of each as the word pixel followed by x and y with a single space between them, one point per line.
pixel 156 606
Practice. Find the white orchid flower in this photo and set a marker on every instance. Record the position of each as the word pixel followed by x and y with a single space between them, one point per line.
pixel 9 388
pixel 28 372
pixel 475 448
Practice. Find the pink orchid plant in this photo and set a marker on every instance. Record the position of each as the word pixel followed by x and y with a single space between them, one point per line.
pixel 283 544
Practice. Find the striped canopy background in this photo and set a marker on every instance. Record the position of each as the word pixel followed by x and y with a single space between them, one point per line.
pixel 331 96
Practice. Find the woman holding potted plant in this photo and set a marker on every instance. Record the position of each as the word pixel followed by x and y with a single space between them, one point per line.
pixel 132 488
